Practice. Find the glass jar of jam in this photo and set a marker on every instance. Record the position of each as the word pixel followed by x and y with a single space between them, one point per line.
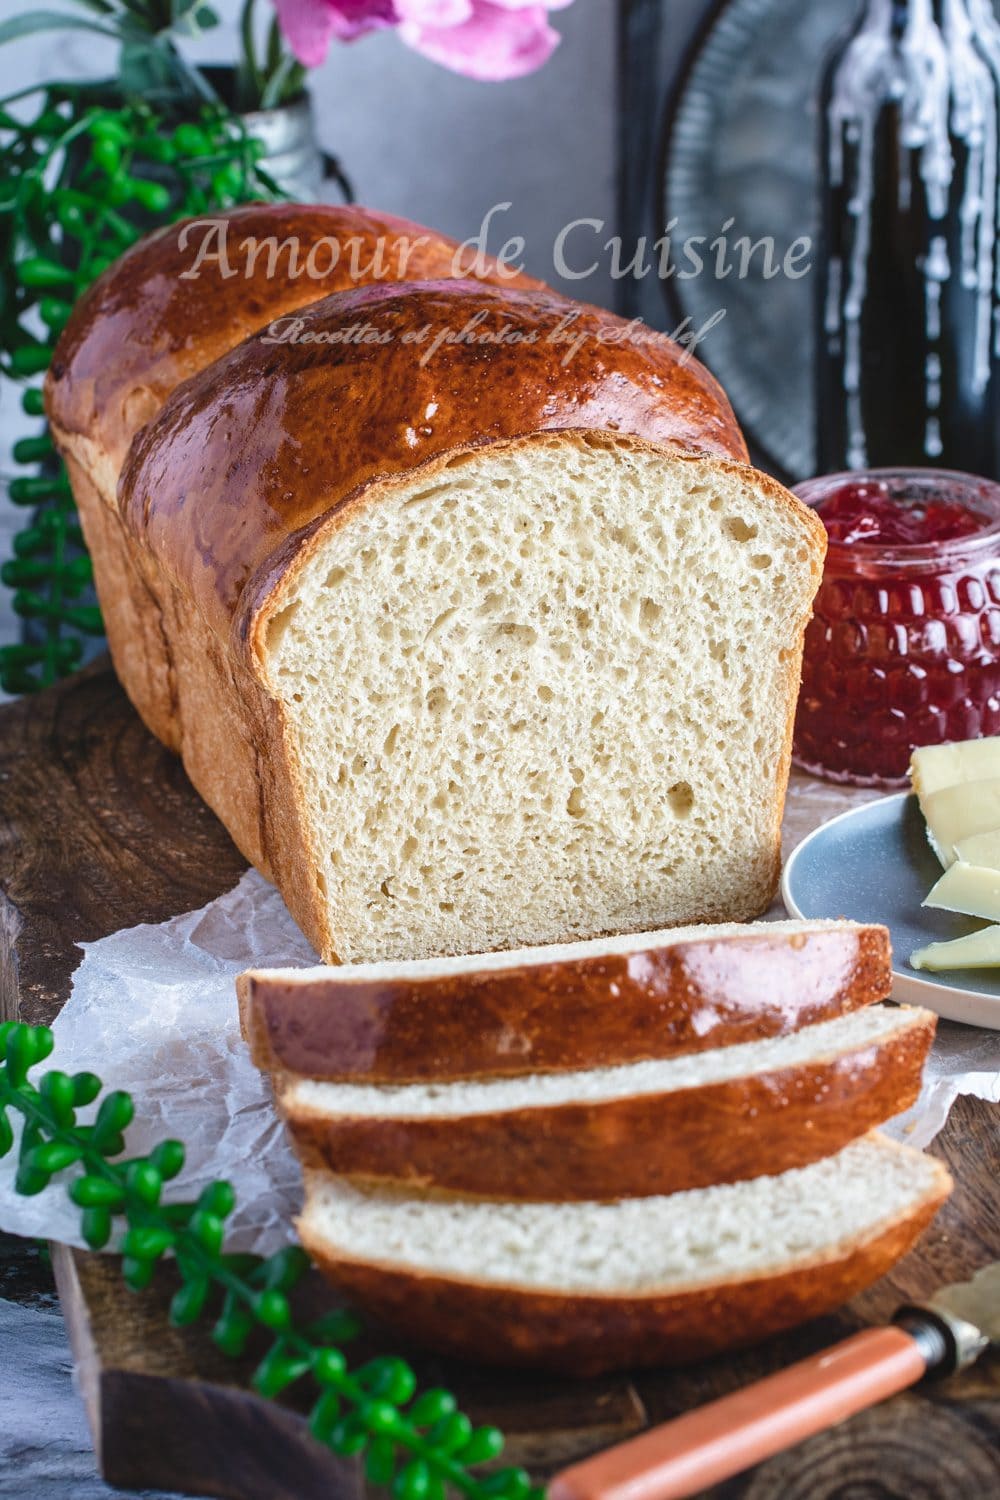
pixel 904 645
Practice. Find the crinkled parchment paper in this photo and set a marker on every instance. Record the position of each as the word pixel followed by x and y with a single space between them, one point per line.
pixel 153 1010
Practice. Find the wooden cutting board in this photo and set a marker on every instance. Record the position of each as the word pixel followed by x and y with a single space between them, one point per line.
pixel 99 829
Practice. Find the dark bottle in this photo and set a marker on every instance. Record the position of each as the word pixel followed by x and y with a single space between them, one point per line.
pixel 908 305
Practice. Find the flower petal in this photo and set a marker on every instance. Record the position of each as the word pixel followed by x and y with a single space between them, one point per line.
pixel 526 4
pixel 496 43
pixel 355 17
pixel 310 25
pixel 436 12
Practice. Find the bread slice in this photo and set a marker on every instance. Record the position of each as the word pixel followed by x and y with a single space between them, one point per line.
pixel 588 1287
pixel 582 1005
pixel 645 1128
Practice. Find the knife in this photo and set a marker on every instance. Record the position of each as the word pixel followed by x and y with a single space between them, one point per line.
pixel 713 1442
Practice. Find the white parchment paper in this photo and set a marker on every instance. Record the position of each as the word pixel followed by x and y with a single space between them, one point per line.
pixel 153 1010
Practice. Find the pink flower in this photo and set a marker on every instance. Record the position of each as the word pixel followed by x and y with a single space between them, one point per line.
pixel 485 39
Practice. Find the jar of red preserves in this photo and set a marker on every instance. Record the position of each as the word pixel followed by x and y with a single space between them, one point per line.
pixel 904 645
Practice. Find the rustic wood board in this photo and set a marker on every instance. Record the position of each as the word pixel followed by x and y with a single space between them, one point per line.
pixel 99 829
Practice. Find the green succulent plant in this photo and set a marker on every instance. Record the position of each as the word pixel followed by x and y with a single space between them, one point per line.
pixel 417 1443
pixel 82 179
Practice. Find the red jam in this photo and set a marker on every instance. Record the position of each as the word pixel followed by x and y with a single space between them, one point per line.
pixel 863 510
pixel 904 645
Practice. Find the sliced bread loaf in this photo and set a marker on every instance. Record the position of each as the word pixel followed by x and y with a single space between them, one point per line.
pixel 479 640
pixel 644 1128
pixel 581 1005
pixel 594 1286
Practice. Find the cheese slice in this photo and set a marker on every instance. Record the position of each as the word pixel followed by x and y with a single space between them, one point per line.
pixel 979 950
pixel 958 812
pixel 972 889
pixel 933 767
pixel 981 849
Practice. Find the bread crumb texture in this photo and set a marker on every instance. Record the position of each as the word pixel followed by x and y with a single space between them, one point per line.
pixel 636 1245
pixel 545 695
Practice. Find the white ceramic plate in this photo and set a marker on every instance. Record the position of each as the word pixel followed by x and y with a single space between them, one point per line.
pixel 873 864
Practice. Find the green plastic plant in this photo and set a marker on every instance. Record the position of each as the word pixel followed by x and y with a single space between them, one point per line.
pixel 81 181
pixel 419 1444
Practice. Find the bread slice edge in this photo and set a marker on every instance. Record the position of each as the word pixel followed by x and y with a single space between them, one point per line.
pixel 625 1132
pixel 557 1009
pixel 587 1333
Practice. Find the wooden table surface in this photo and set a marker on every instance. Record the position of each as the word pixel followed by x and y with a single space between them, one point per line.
pixel 99 829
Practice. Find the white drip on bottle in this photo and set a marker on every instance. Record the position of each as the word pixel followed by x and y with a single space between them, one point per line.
pixel 944 82
pixel 974 123
pixel 986 35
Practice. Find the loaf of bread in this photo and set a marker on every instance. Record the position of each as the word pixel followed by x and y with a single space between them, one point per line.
pixel 172 304
pixel 645 1128
pixel 591 1004
pixel 477 645
pixel 586 1287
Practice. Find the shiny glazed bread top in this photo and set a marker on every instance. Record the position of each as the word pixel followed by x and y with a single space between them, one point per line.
pixel 188 293
pixel 274 437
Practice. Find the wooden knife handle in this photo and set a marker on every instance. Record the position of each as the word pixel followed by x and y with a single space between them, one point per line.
pixel 703 1447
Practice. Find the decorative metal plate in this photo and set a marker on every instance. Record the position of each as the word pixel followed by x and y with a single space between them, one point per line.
pixel 741 142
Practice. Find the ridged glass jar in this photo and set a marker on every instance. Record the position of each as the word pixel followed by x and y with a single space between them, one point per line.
pixel 904 645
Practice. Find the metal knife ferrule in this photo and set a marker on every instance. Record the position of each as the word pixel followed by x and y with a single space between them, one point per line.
pixel 946 1341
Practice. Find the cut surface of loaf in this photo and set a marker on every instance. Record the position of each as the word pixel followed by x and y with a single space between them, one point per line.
pixel 568 720
pixel 587 1004
pixel 587 1287
pixel 645 1128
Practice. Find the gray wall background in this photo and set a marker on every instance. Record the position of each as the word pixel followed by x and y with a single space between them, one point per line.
pixel 422 142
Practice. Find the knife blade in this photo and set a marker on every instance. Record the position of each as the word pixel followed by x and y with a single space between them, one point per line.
pixel 714 1442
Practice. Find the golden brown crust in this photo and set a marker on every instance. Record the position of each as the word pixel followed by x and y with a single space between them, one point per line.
pixel 792 662
pixel 631 1147
pixel 146 325
pixel 278 436
pixel 583 1335
pixel 130 606
pixel 592 1011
